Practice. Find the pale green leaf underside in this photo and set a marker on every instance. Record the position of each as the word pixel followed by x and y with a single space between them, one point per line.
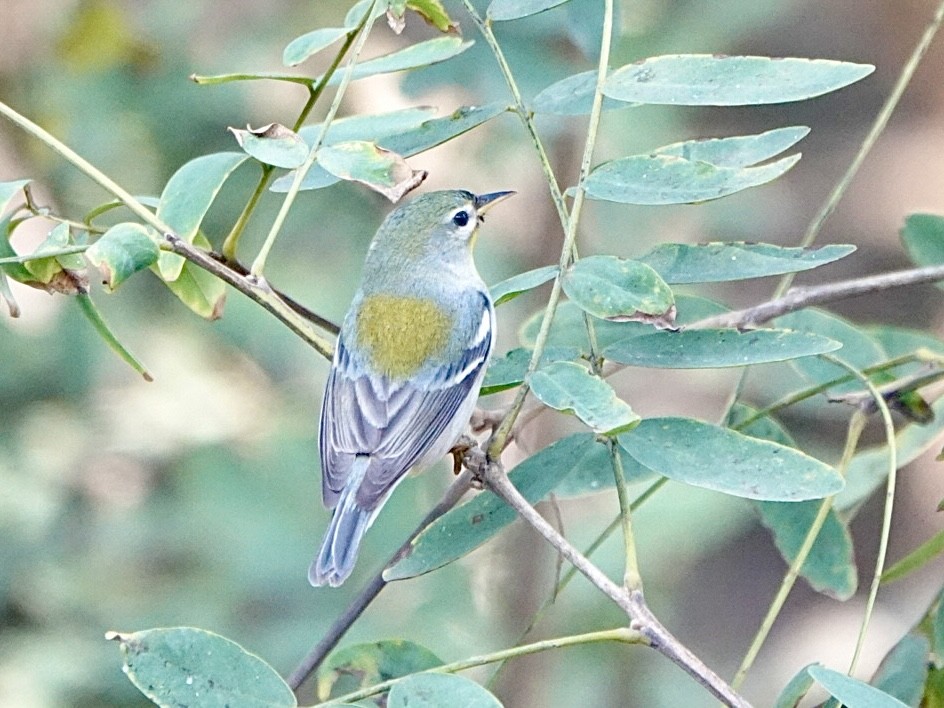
pixel 122 251
pixel 716 348
pixel 716 458
pixel 720 262
pixel 512 287
pixel 310 43
pixel 738 151
pixel 501 10
pixel 571 96
pixel 852 692
pixel 570 387
pixel 710 80
pixel 188 666
pixel 426 53
pixel 434 690
pixel 665 179
pixel 608 287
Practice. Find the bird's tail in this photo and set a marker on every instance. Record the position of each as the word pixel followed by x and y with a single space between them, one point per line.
pixel 349 523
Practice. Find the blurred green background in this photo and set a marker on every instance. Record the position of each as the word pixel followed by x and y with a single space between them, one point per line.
pixel 194 500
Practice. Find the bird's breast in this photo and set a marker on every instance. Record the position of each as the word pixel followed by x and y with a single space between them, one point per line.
pixel 400 333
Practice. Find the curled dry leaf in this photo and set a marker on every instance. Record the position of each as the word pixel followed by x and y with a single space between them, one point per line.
pixel 380 169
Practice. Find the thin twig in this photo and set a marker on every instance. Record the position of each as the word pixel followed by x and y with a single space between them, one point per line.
pixel 800 298
pixel 878 127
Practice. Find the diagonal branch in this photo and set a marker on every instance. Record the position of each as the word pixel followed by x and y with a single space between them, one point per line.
pixel 801 297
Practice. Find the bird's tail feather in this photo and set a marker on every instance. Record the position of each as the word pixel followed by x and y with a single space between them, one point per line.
pixel 349 523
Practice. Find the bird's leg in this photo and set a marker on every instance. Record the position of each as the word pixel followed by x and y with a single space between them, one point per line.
pixel 459 451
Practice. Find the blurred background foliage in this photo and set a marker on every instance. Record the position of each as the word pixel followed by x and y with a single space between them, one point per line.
pixel 194 500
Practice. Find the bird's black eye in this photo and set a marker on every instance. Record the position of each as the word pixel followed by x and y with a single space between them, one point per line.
pixel 461 218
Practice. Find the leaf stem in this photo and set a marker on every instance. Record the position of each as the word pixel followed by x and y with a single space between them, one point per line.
pixel 853 434
pixel 632 580
pixel 620 634
pixel 878 127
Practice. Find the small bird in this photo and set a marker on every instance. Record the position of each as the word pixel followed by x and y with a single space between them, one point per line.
pixel 407 367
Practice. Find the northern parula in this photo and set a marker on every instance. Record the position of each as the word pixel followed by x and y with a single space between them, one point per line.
pixel 407 367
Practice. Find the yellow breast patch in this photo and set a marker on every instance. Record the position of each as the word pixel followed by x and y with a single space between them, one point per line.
pixel 400 333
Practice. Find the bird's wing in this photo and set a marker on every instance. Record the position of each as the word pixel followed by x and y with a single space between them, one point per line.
pixel 395 422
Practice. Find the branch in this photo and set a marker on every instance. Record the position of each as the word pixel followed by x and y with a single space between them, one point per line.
pixel 802 297
pixel 317 654
pixel 631 602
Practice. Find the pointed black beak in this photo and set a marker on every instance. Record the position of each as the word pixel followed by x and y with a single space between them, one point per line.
pixel 483 202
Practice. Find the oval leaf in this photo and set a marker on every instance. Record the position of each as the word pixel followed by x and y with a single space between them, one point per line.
pixel 665 179
pixel 501 10
pixel 852 692
pixel 371 663
pixel 616 288
pixel 569 387
pixel 427 135
pixel 370 127
pixel 740 151
pixel 436 690
pixel 796 689
pixel 716 348
pixel 310 43
pixel 187 197
pixel 711 80
pixel 203 293
pixel 712 457
pixel 721 262
pixel 432 51
pixel 571 96
pixel 904 669
pixel 466 527
pixel 272 144
pixel 382 170
pixel 923 239
pixel 185 666
pixel 512 287
pixel 121 252
pixel 510 370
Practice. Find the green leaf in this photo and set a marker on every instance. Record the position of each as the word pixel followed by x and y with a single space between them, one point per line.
pixel 357 12
pixel 617 288
pixel 121 252
pixel 830 566
pixel 594 472
pixel 361 665
pixel 186 198
pixel 185 666
pixel 918 558
pixel 44 263
pixel 716 348
pixel 434 13
pixel 569 387
pixel 510 370
pixel 370 127
pixel 104 331
pixel 665 179
pixel 923 239
pixel 739 151
pixel 427 53
pixel 436 690
pixel 8 190
pixel 500 10
pixel 904 669
pixel 428 134
pixel 272 144
pixel 796 689
pixel 858 349
pixel 203 293
pixel 512 287
pixel 571 96
pixel 721 262
pixel 439 130
pixel 382 170
pixel 467 526
pixel 310 43
pixel 868 469
pixel 712 457
pixel 852 692
pixel 711 80
pixel 937 630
